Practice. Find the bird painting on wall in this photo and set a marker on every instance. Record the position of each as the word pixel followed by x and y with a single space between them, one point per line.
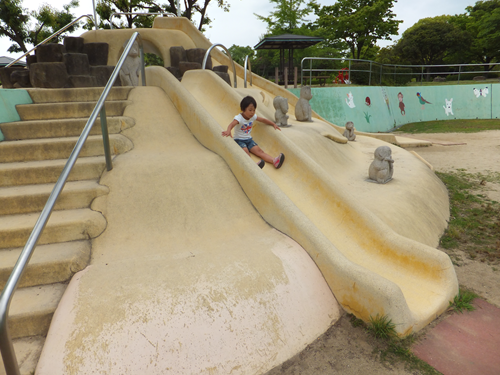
pixel 422 100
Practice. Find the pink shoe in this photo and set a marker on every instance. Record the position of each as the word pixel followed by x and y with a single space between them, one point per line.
pixel 278 161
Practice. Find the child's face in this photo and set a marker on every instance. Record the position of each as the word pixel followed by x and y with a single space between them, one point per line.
pixel 249 112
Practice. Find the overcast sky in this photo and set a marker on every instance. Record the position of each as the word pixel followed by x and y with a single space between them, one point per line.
pixel 240 26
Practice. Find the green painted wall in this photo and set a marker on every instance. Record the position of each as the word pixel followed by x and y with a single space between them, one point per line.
pixel 377 109
pixel 9 98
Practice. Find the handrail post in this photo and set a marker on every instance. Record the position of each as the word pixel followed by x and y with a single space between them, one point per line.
pixel 310 72
pixel 249 63
pixel 205 58
pixel 105 139
pixel 8 353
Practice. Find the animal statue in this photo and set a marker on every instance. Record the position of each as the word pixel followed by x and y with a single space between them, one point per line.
pixel 381 169
pixel 448 107
pixel 129 73
pixel 303 110
pixel 349 131
pixel 281 106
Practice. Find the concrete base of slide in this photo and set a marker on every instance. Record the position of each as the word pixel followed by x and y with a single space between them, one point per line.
pixel 187 278
pixel 195 272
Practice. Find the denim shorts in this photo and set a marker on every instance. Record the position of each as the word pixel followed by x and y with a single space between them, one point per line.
pixel 246 143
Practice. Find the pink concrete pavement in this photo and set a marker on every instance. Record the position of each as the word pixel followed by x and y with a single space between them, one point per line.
pixel 464 344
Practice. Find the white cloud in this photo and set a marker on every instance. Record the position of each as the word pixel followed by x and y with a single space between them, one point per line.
pixel 241 27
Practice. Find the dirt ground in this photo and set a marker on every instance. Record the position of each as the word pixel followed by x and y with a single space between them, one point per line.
pixel 345 349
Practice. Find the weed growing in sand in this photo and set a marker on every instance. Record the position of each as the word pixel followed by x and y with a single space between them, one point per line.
pixel 463 301
pixel 381 327
pixel 474 225
pixel 399 349
pixel 356 322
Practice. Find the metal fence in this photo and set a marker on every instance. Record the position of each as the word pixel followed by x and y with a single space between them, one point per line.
pixel 367 72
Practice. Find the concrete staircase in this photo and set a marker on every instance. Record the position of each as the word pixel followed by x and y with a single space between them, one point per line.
pixel 32 157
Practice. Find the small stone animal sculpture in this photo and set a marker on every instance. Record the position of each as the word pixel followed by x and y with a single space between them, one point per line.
pixel 303 110
pixel 129 73
pixel 349 131
pixel 281 106
pixel 381 169
pixel 448 109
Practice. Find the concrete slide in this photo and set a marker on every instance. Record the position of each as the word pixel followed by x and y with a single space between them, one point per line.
pixel 212 265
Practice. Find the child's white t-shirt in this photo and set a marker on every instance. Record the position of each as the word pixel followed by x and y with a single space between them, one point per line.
pixel 243 129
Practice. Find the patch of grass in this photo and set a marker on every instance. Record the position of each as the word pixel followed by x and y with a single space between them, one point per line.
pixel 381 327
pixel 450 126
pixel 399 349
pixel 474 225
pixel 355 322
pixel 462 301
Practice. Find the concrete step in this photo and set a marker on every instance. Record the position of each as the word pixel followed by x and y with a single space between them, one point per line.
pixel 28 350
pixel 63 226
pixel 32 308
pixel 47 111
pixel 48 171
pixel 49 264
pixel 59 148
pixel 83 94
pixel 32 198
pixel 57 128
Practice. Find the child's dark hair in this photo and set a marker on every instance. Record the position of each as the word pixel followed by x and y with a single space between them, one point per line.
pixel 246 101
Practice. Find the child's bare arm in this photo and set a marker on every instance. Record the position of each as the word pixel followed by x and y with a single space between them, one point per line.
pixel 227 133
pixel 268 122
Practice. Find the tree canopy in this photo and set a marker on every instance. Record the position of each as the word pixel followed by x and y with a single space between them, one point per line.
pixel 359 23
pixel 432 41
pixel 23 27
pixel 192 9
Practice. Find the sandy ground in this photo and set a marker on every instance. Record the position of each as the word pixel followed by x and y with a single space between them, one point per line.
pixel 345 349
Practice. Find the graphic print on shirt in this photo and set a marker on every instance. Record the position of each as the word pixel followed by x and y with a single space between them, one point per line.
pixel 247 128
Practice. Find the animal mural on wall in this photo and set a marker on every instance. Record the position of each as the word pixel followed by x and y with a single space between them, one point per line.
pixel 350 100
pixel 401 104
pixel 386 99
pixel 422 100
pixel 448 107
pixel 480 92
pixel 368 102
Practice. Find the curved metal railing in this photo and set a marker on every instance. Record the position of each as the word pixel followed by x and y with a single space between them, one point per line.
pixel 8 354
pixel 50 37
pixel 205 58
pixel 138 14
pixel 247 61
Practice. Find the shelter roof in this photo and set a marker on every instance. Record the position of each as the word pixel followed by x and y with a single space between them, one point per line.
pixel 287 41
pixel 4 60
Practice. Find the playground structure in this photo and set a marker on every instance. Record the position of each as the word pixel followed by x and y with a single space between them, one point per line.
pixel 187 275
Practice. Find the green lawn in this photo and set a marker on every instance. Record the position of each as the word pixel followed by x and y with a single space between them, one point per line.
pixel 450 126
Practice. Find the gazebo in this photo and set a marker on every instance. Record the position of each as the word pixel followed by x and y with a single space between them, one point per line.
pixel 288 42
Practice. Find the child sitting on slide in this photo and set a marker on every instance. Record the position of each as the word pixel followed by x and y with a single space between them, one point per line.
pixel 244 123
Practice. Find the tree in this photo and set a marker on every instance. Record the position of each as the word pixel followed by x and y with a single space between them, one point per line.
pixel 191 8
pixel 238 53
pixel 432 41
pixel 15 23
pixel 482 23
pixel 359 23
pixel 288 16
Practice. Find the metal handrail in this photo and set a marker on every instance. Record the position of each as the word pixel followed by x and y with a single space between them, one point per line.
pixel 50 37
pixel 138 14
pixel 205 58
pixel 8 354
pixel 459 72
pixel 247 60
